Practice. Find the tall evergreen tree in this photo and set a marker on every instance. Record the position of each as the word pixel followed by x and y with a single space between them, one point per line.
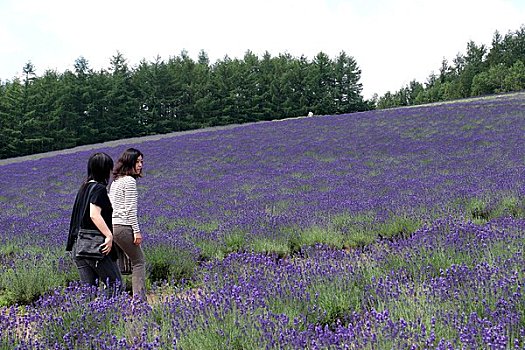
pixel 41 129
pixel 10 120
pixel 473 65
pixel 295 87
pixel 89 104
pixel 201 90
pixel 120 115
pixel 150 83
pixel 30 124
pixel 321 85
pixel 347 87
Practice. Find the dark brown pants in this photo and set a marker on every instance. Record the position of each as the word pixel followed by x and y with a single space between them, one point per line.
pixel 123 236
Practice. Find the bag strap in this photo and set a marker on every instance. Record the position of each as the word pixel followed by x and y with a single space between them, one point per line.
pixel 85 203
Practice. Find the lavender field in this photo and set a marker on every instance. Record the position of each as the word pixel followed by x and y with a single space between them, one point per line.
pixel 390 229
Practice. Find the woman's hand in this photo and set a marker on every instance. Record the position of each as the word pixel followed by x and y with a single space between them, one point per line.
pixel 107 245
pixel 137 238
pixel 96 216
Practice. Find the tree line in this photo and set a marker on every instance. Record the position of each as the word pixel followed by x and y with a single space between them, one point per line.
pixel 83 106
pixel 480 71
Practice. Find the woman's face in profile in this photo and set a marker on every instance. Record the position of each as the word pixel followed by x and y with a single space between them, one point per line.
pixel 138 165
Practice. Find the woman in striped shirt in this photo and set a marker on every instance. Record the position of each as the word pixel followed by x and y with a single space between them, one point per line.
pixel 126 232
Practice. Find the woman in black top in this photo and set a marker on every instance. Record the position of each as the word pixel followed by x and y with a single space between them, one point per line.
pixel 96 216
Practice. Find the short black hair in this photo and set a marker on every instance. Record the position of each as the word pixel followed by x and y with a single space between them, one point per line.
pixel 99 168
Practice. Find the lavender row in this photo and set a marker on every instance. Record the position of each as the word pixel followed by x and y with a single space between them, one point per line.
pixel 452 285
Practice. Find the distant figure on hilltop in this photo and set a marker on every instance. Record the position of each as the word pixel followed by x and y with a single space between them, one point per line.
pixel 310 114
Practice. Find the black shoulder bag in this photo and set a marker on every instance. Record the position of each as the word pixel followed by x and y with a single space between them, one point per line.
pixel 89 242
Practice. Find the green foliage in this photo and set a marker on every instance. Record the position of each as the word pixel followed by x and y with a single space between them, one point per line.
pixel 273 245
pixel 210 249
pixel 481 71
pixel 33 274
pixel 359 237
pixel 343 230
pixel 406 96
pixel 483 210
pixel 510 206
pixel 9 249
pixel 357 229
pixel 477 210
pixel 166 263
pixel 321 235
pixel 294 238
pixel 398 226
pixel 224 330
pixel 234 241
pixel 294 308
pixel 337 300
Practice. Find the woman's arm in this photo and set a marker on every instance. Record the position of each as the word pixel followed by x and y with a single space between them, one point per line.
pixel 132 199
pixel 98 220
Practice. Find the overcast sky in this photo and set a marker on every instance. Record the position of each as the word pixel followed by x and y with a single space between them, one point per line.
pixel 393 41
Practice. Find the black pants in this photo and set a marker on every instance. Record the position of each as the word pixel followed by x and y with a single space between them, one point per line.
pixel 94 271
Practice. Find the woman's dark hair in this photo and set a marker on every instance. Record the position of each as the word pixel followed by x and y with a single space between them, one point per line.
pixel 126 163
pixel 99 168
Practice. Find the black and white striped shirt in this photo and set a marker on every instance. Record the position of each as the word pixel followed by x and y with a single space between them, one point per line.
pixel 123 196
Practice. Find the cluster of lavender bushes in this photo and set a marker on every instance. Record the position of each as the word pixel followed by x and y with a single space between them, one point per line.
pixel 397 229
pixel 449 286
